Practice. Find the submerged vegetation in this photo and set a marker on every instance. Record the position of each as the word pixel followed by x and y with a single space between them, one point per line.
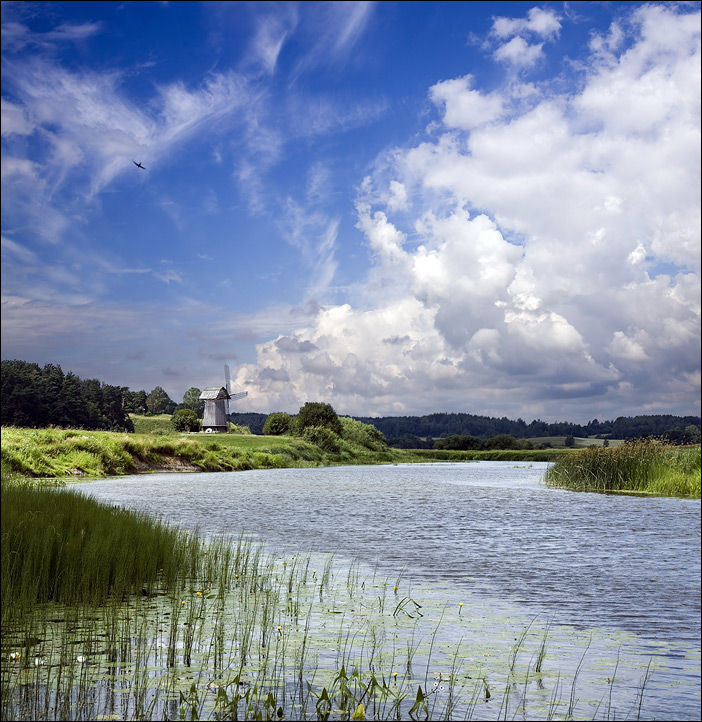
pixel 645 466
pixel 107 614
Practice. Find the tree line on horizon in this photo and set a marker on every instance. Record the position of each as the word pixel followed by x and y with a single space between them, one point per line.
pixel 36 397
pixel 422 432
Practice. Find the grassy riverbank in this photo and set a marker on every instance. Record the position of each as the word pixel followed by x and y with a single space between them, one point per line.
pixel 645 466
pixel 64 453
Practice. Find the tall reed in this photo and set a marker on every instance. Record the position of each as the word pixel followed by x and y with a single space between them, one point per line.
pixel 638 466
pixel 63 547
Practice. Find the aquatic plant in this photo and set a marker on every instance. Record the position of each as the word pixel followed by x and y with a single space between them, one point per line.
pixel 639 466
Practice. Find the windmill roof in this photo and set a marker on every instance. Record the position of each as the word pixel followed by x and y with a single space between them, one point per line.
pixel 214 392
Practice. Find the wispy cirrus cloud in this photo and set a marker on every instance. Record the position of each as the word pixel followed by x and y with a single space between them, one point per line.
pixel 16 35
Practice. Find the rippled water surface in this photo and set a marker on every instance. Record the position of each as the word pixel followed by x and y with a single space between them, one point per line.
pixel 621 567
pixel 485 527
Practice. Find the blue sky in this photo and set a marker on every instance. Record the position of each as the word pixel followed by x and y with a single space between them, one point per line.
pixel 396 208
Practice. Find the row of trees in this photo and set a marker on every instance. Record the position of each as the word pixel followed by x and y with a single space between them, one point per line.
pixel 158 402
pixel 472 443
pixel 421 431
pixel 36 397
pixel 33 396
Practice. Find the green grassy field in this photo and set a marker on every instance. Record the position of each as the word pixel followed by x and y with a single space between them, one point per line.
pixel 60 453
pixel 558 442
pixel 159 424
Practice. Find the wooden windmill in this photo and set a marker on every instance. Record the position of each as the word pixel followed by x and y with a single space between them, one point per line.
pixel 217 400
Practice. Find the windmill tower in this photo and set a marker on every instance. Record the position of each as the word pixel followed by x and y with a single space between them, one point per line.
pixel 217 400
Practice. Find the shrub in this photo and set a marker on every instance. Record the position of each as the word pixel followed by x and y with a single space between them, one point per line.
pixel 277 424
pixel 185 420
pixel 238 429
pixel 457 442
pixel 314 413
pixel 322 437
pixel 360 434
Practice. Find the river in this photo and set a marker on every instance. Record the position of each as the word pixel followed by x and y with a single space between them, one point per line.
pixel 491 532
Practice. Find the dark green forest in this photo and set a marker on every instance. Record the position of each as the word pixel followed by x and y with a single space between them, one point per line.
pixel 408 431
pixel 422 432
pixel 37 397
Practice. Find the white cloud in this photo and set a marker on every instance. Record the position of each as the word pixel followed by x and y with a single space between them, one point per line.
pixel 17 250
pixel 168 276
pixel 544 23
pixel 271 32
pixel 465 108
pixel 398 197
pixel 599 192
pixel 14 119
pixel 625 347
pixel 518 53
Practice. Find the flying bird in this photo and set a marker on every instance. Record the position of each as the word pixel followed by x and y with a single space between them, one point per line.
pixel 138 165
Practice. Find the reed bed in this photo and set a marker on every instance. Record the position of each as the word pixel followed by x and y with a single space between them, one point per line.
pixel 644 466
pixel 61 547
pixel 108 614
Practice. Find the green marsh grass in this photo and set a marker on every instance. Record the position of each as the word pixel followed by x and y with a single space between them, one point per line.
pixel 645 466
pixel 66 453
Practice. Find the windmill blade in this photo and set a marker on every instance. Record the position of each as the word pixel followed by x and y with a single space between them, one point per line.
pixel 239 395
pixel 227 385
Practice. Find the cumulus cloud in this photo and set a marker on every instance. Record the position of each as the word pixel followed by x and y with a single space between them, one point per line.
pixel 512 47
pixel 465 108
pixel 519 53
pixel 544 23
pixel 551 290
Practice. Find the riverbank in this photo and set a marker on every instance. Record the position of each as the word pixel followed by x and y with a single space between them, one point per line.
pixel 66 453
